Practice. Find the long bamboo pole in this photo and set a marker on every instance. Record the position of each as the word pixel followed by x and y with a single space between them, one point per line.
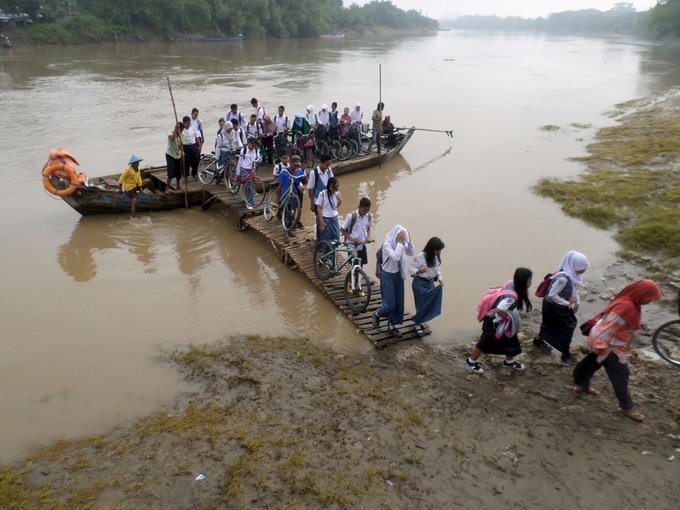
pixel 181 149
pixel 377 136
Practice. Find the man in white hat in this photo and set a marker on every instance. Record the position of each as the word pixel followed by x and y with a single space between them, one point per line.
pixel 131 182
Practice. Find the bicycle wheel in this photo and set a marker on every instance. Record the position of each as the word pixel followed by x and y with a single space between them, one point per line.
pixel 355 148
pixel 289 213
pixel 666 342
pixel 321 147
pixel 324 260
pixel 271 206
pixel 357 295
pixel 253 193
pixel 344 152
pixel 233 180
pixel 207 168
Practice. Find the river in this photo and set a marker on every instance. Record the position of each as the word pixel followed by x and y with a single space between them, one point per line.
pixel 89 304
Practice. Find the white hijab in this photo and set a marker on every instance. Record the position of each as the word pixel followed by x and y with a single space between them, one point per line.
pixel 574 261
pixel 311 114
pixel 391 238
pixel 323 115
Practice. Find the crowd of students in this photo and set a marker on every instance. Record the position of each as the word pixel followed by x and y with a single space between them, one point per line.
pixel 612 331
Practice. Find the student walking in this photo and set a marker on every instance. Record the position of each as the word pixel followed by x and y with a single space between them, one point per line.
pixel 501 323
pixel 327 203
pixel 393 272
pixel 357 229
pixel 610 339
pixel 425 270
pixel 560 305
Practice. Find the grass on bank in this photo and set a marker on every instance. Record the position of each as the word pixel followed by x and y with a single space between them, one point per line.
pixel 247 445
pixel 631 184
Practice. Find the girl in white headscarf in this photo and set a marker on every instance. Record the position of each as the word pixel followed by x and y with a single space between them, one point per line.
pixel 394 271
pixel 560 305
pixel 357 114
pixel 311 116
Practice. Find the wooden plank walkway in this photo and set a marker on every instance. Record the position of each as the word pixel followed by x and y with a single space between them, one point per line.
pixel 298 254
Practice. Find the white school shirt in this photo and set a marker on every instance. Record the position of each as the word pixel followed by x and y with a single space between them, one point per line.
pixel 281 123
pixel 359 230
pixel 323 177
pixel 198 126
pixel 232 140
pixel 432 273
pixel 231 115
pixel 253 130
pixel 259 112
pixel 357 116
pixel 323 118
pixel 248 157
pixel 328 210
pixel 190 135
pixel 392 257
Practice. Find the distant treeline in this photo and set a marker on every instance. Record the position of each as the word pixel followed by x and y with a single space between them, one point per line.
pixel 62 21
pixel 662 20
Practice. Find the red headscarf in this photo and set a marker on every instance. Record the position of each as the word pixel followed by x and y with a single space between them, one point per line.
pixel 627 303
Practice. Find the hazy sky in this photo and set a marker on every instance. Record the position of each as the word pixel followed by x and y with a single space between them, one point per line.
pixel 526 8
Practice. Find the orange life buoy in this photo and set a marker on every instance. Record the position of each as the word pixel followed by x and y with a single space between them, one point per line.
pixel 59 167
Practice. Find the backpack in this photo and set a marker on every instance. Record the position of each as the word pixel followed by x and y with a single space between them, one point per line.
pixel 378 262
pixel 543 287
pixel 491 297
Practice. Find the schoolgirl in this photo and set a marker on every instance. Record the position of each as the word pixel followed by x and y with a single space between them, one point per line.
pixel 425 270
pixel 327 203
pixel 394 271
pixel 496 338
pixel 560 305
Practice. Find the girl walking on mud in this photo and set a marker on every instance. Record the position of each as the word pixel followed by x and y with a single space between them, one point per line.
pixel 609 340
pixel 501 323
pixel 560 304
pixel 424 269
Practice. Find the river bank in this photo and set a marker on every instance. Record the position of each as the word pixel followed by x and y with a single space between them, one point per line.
pixel 283 423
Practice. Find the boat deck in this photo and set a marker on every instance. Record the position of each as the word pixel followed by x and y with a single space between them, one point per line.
pixel 297 254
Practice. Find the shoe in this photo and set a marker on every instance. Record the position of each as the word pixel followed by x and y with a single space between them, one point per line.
pixel 299 225
pixel 419 330
pixel 376 320
pixel 633 414
pixel 392 329
pixel 474 366
pixel 588 391
pixel 515 365
pixel 291 233
pixel 539 343
pixel 359 293
pixel 569 360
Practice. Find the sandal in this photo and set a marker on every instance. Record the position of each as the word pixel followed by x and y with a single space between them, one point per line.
pixel 588 391
pixel 633 414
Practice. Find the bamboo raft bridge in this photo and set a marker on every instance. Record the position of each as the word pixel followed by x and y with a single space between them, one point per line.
pixel 297 254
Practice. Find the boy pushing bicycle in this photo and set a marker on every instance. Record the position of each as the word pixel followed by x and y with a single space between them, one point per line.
pixel 357 229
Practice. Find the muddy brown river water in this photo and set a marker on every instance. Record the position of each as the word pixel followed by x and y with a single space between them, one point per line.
pixel 88 304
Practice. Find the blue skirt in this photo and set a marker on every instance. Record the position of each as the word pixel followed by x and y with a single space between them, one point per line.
pixel 392 296
pixel 331 232
pixel 428 298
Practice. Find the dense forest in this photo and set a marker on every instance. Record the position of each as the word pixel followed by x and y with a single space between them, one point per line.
pixel 662 20
pixel 64 21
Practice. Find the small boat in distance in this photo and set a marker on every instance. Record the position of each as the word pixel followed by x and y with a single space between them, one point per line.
pixel 221 38
pixel 333 35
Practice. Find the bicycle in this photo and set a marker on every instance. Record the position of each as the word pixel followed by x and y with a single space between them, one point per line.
pixel 210 169
pixel 327 264
pixel 253 187
pixel 666 340
pixel 288 206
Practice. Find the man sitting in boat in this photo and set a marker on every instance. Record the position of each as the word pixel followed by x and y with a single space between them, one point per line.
pixel 131 182
pixel 388 131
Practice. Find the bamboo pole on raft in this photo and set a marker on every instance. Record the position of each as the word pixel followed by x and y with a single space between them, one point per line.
pixel 181 149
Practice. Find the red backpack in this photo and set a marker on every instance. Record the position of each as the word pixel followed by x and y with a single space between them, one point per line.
pixel 543 287
pixel 491 297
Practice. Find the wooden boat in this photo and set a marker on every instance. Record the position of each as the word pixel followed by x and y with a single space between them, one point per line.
pixel 102 196
pixel 333 36
pixel 391 146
